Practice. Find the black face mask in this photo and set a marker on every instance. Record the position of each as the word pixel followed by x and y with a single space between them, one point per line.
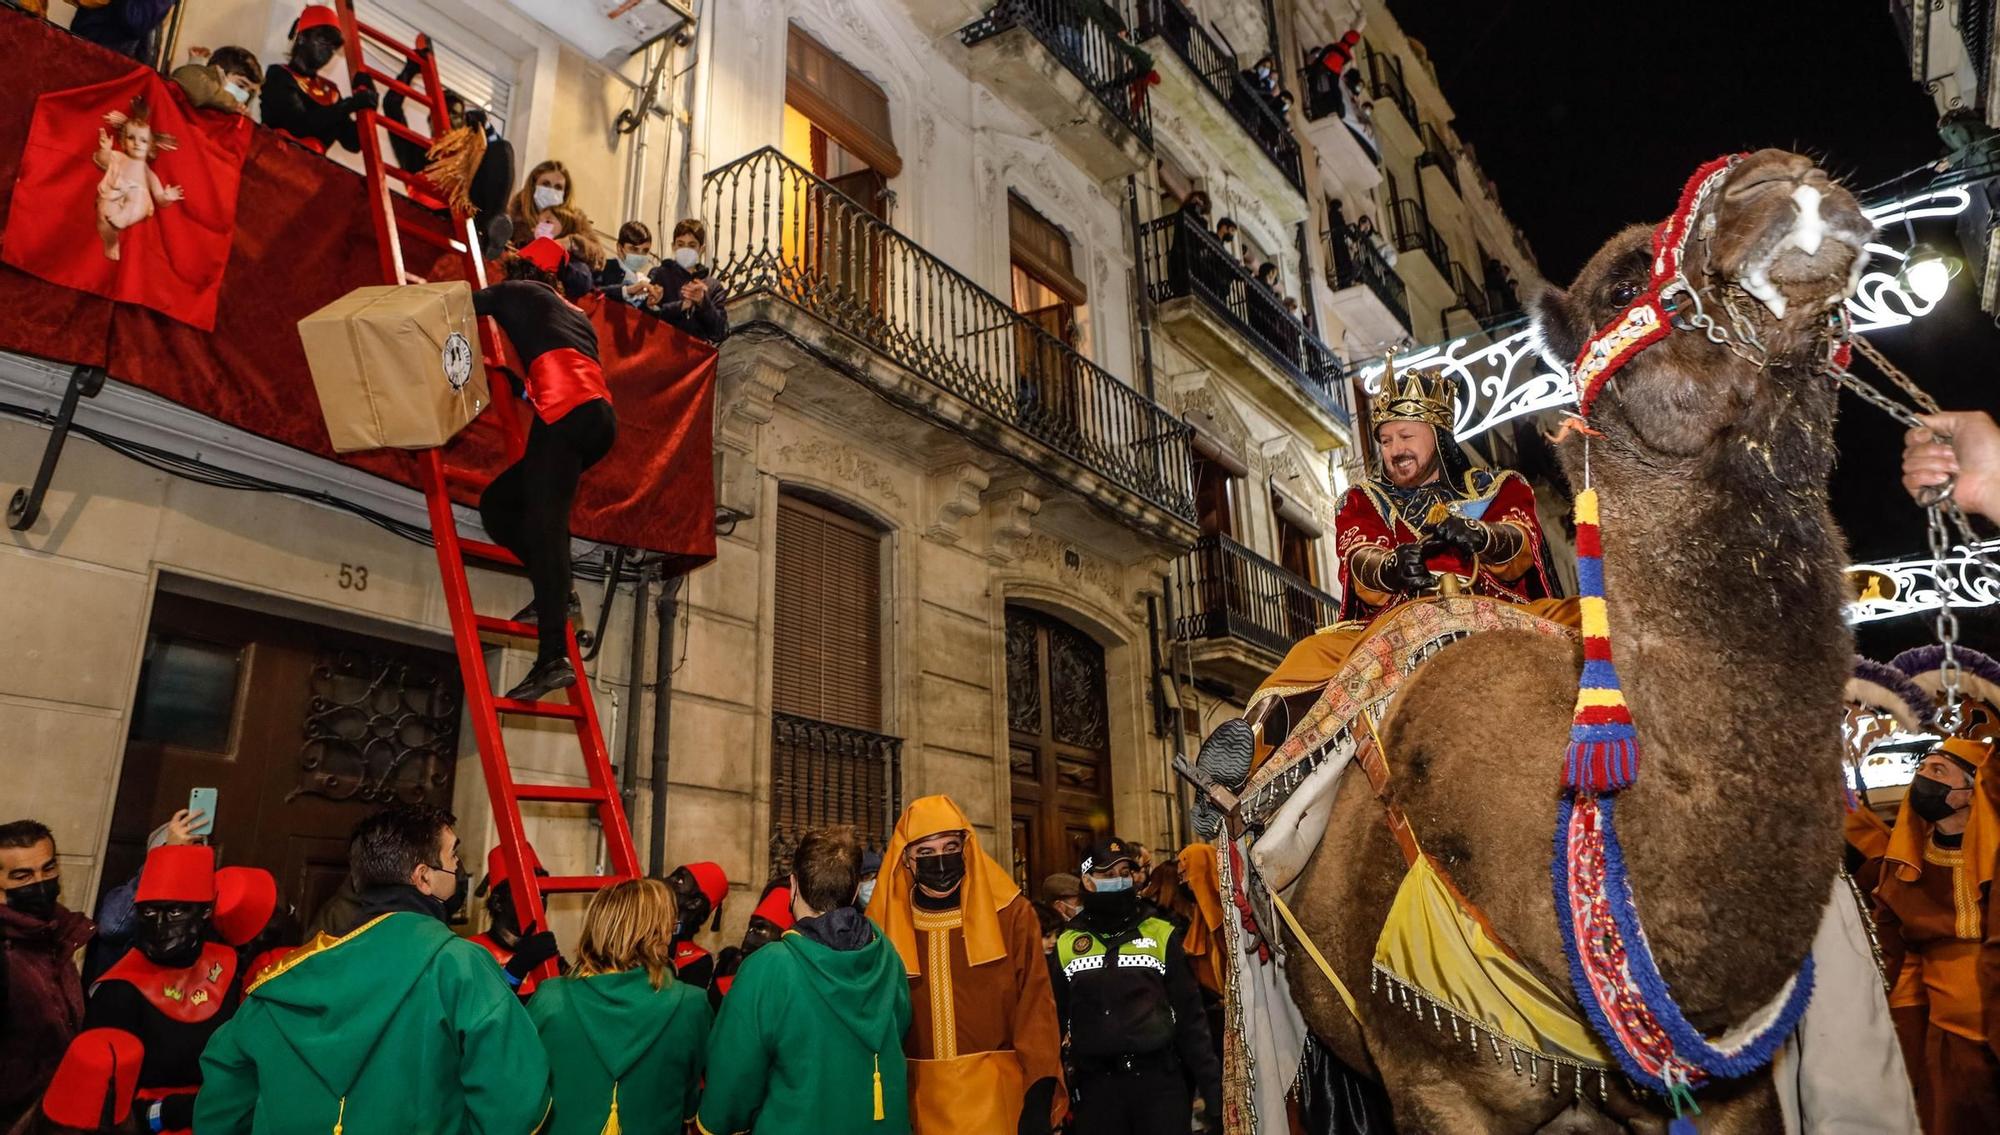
pixel 314 49
pixel 506 928
pixel 941 874
pixel 1927 798
pixel 759 935
pixel 169 933
pixel 692 904
pixel 37 900
pixel 1111 908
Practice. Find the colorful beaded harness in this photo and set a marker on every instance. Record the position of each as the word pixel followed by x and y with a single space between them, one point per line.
pixel 1611 966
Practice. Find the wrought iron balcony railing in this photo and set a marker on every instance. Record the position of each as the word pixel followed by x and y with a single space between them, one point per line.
pixel 1182 258
pixel 1385 83
pixel 1224 590
pixel 1092 49
pixel 1217 69
pixel 1415 233
pixel 825 774
pixel 1438 155
pixel 777 229
pixel 1471 295
pixel 1358 261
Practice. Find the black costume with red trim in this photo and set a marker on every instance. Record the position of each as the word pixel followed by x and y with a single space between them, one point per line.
pixel 173 1012
pixel 307 109
pixel 693 964
pixel 503 955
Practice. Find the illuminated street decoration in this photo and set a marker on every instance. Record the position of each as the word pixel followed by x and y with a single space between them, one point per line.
pixel 1510 378
pixel 1919 585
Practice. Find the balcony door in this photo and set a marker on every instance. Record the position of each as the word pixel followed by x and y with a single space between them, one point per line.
pixel 837 125
pixel 830 763
pixel 1046 294
pixel 1059 729
pixel 1298 553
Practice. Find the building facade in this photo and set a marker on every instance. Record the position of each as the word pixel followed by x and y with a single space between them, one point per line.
pixel 1023 478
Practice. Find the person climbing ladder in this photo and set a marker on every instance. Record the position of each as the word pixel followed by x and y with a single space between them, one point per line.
pixel 526 508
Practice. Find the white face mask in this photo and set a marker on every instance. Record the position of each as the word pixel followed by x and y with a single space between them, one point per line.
pixel 687 258
pixel 865 893
pixel 638 263
pixel 237 91
pixel 547 196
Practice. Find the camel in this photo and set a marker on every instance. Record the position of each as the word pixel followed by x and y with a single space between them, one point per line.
pixel 1725 601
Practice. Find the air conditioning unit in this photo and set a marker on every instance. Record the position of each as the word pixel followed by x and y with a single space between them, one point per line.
pixel 609 31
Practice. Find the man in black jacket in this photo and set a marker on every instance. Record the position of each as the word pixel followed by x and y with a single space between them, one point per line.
pixel 681 292
pixel 1132 1008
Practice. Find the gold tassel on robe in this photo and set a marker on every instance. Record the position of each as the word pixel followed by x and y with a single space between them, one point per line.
pixel 878 1087
pixel 611 1121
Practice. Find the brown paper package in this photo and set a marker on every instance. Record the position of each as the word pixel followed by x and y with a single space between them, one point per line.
pixel 396 366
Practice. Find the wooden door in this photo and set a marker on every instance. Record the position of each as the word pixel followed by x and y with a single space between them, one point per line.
pixel 1060 744
pixel 301 729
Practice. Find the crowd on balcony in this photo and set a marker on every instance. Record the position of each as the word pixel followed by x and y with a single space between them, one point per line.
pixel 1334 86
pixel 917 988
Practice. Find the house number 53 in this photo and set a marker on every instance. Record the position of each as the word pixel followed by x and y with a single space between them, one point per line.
pixel 354 577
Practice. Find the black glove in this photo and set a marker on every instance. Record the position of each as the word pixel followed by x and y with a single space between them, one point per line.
pixel 177 1112
pixel 535 947
pixel 1468 536
pixel 1036 1106
pixel 1406 570
pixel 364 98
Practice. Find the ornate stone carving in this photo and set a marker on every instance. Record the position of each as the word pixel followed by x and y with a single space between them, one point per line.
pixel 1014 508
pixel 954 495
pixel 1212 412
pixel 844 464
pixel 1293 469
pixel 747 390
pixel 1066 561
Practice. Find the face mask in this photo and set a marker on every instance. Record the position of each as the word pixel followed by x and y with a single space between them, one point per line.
pixel 687 258
pixel 1263 72
pixel 637 263
pixel 547 196
pixel 37 900
pixel 941 874
pixel 237 91
pixel 169 933
pixel 1113 885
pixel 866 893
pixel 1111 906
pixel 1927 798
pixel 547 229
pixel 757 937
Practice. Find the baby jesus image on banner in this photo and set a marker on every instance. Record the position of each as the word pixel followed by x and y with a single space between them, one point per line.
pixel 127 192
pixel 129 188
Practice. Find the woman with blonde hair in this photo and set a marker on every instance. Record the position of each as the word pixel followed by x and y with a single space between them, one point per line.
pixel 624 1038
pixel 542 207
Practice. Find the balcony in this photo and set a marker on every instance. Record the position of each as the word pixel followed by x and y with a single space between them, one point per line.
pixel 1240 612
pixel 1204 87
pixel 1470 311
pixel 1422 255
pixel 1395 108
pixel 824 774
pixel 805 263
pixel 1218 310
pixel 1072 73
pixel 1370 300
pixel 1347 155
pixel 1438 157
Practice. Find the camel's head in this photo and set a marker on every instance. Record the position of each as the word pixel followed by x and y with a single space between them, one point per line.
pixel 1769 249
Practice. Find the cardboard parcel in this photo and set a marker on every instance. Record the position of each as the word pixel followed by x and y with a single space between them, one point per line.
pixel 396 366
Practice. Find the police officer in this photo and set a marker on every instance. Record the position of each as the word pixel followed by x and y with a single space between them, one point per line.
pixel 1133 1009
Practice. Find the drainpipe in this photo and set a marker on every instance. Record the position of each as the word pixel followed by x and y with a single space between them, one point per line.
pixel 666 612
pixel 1181 831
pixel 1144 294
pixel 704 77
pixel 635 682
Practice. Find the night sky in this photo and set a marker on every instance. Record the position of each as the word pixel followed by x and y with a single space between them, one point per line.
pixel 1589 116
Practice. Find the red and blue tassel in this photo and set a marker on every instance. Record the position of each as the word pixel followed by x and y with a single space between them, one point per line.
pixel 1603 745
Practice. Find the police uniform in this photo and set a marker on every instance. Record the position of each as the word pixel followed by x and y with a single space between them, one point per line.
pixel 1133 1009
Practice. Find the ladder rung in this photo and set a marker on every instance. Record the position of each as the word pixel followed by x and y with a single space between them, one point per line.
pixel 397 85
pixel 496 625
pixel 435 240
pixel 572 884
pixel 404 132
pixel 403 175
pixel 370 31
pixel 560 793
pixel 467 478
pixel 537 708
pixel 481 550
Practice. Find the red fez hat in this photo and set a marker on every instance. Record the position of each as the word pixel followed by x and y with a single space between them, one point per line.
pixel 315 16
pixel 713 883
pixel 776 908
pixel 245 898
pixel 545 253
pixel 182 872
pixel 94 1083
pixel 496 866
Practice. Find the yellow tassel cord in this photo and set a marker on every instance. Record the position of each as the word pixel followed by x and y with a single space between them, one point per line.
pixel 340 1119
pixel 878 1087
pixel 455 158
pixel 611 1121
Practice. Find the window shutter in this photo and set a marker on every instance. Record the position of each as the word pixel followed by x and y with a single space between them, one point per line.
pixel 485 78
pixel 827 641
pixel 1040 247
pixel 841 101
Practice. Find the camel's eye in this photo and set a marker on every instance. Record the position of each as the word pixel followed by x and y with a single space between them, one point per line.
pixel 1624 294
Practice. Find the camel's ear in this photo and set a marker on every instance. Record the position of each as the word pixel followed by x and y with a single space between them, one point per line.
pixel 1554 328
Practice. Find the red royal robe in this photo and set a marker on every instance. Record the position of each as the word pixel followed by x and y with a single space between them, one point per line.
pixel 1368 517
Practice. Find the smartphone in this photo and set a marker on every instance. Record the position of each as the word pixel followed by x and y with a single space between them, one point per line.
pixel 203 800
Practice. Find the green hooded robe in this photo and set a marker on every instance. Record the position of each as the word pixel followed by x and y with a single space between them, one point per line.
pixel 400 1026
pixel 810 1039
pixel 616 1029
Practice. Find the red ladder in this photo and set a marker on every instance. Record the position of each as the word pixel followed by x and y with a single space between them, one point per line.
pixel 453 549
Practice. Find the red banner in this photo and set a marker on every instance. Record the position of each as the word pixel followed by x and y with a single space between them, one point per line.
pixel 126 192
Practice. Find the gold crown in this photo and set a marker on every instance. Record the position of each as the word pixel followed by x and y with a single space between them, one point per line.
pixel 1414 396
